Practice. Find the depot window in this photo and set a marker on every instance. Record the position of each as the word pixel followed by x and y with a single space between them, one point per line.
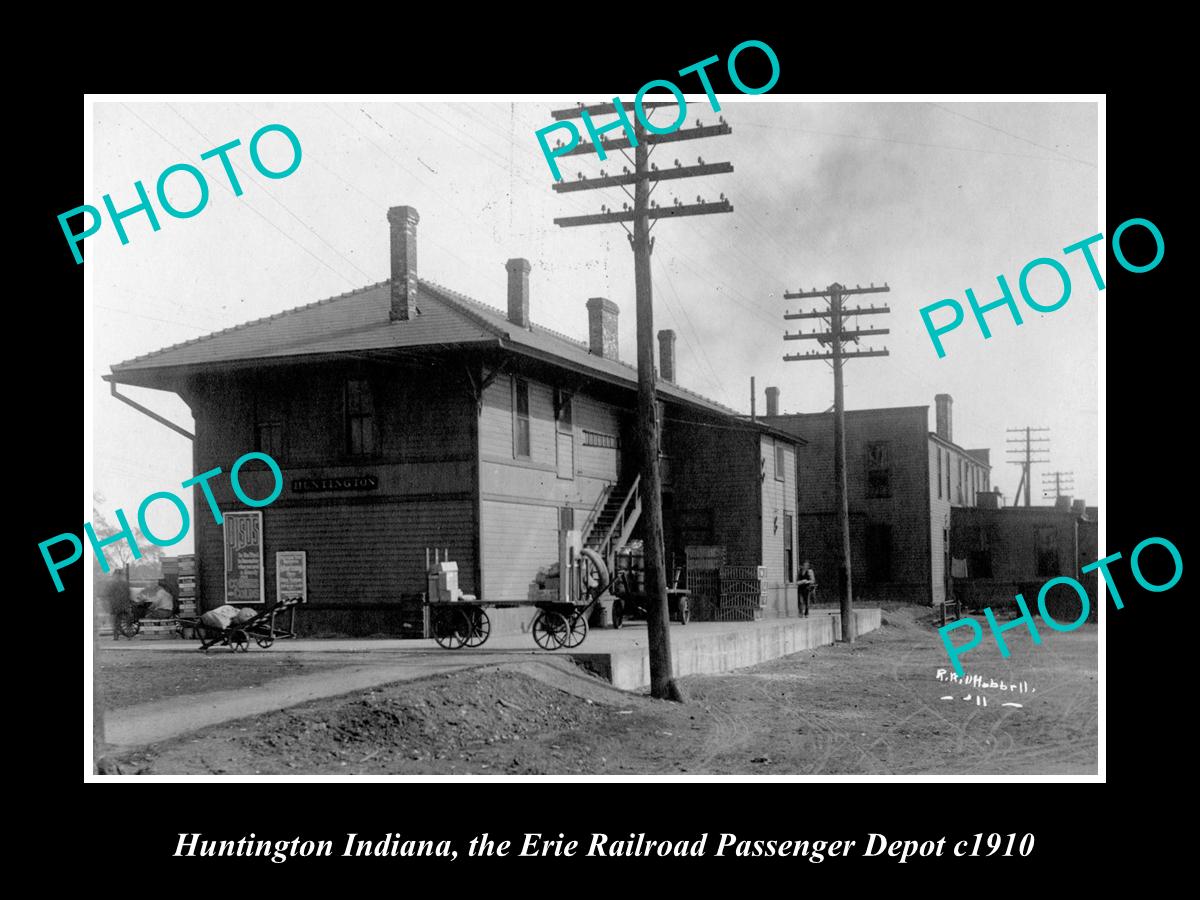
pixel 360 418
pixel 520 418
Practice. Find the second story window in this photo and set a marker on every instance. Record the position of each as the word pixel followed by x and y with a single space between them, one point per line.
pixel 780 462
pixel 268 439
pixel 879 469
pixel 360 418
pixel 521 419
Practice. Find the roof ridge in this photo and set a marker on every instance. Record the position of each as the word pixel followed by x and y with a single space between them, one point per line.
pixel 495 310
pixel 583 345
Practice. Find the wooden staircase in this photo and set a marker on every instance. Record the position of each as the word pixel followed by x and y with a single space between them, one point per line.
pixel 609 529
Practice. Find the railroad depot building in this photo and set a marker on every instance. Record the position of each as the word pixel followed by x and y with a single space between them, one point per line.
pixel 407 418
pixel 902 482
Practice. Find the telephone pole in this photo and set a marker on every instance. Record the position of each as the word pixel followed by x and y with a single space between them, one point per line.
pixel 1057 479
pixel 645 178
pixel 834 316
pixel 1028 451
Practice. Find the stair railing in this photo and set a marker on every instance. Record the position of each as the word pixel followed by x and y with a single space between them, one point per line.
pixel 590 522
pixel 617 529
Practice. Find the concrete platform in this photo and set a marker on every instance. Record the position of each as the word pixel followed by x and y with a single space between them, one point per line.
pixel 708 648
pixel 620 656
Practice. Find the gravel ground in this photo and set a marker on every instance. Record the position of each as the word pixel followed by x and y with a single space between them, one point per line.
pixel 876 707
pixel 126 677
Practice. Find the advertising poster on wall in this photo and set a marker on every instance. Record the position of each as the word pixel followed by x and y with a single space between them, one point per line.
pixel 291 575
pixel 243 557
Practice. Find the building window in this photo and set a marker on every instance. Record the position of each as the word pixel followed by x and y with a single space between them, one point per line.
pixel 938 453
pixel 879 553
pixel 1047 552
pixel 360 418
pixel 879 471
pixel 789 560
pixel 521 418
pixel 780 462
pixel 268 439
pixel 948 494
pixel 562 402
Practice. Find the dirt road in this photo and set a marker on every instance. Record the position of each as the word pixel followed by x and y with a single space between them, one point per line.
pixel 874 708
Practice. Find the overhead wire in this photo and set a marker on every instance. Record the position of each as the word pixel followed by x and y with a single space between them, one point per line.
pixel 245 203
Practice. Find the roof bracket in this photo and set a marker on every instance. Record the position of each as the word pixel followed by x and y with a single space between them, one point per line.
pixel 151 413
pixel 488 379
pixel 563 396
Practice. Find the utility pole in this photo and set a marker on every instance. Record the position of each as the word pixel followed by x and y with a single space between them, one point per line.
pixel 1028 451
pixel 645 178
pixel 1057 478
pixel 834 316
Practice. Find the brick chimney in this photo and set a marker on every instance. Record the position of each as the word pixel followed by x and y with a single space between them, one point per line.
pixel 666 354
pixel 772 401
pixel 518 291
pixel 1063 502
pixel 403 220
pixel 945 428
pixel 1079 507
pixel 602 327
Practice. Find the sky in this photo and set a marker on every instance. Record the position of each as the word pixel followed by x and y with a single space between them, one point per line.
pixel 932 198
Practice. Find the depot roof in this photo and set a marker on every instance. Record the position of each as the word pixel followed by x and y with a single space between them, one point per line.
pixel 359 321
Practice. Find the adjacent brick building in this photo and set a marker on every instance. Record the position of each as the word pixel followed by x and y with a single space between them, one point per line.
pixel 1002 552
pixel 902 479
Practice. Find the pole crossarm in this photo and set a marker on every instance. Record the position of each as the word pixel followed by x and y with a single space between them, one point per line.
pixel 591 184
pixel 844 291
pixel 683 134
pixel 852 311
pixel 661 212
pixel 825 337
pixel 794 357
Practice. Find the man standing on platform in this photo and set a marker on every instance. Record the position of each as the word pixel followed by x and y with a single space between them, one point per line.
pixel 808 585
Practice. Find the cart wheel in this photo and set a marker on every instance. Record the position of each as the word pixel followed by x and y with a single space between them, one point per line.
pixel 126 624
pixel 685 611
pixel 618 613
pixel 577 630
pixel 479 627
pixel 550 629
pixel 239 641
pixel 264 642
pixel 450 628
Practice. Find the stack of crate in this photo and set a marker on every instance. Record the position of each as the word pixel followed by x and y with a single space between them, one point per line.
pixel 187 585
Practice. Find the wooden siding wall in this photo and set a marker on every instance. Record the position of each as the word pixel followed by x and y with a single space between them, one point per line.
pixel 518 539
pixel 520 498
pixel 363 546
pixel 778 500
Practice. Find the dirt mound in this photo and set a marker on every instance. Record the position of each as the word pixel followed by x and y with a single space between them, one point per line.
pixel 451 714
pixel 397 728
